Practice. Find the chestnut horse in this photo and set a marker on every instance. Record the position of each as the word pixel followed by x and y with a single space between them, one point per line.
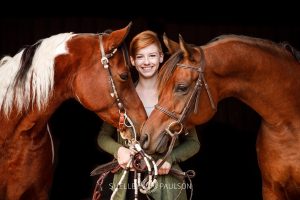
pixel 260 73
pixel 91 68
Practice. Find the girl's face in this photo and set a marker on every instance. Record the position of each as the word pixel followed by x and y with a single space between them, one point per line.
pixel 147 61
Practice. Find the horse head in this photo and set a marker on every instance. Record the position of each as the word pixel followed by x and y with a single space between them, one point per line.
pixel 105 86
pixel 183 92
pixel 99 77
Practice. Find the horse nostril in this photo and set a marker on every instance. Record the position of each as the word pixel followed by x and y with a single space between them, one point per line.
pixel 145 141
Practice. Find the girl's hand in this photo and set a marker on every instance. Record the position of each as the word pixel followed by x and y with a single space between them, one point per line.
pixel 124 155
pixel 165 168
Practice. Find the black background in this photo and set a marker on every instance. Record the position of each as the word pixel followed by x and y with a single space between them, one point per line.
pixel 226 165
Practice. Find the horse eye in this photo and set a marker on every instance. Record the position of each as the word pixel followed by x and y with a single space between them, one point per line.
pixel 124 76
pixel 181 88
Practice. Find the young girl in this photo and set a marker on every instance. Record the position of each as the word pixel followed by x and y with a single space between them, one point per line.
pixel 146 55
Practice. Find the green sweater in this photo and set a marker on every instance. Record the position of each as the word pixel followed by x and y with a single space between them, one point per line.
pixel 168 187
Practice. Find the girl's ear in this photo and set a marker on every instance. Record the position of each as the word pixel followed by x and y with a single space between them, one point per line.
pixel 132 61
pixel 161 57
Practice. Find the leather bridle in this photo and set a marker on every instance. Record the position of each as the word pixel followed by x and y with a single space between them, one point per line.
pixel 105 62
pixel 192 101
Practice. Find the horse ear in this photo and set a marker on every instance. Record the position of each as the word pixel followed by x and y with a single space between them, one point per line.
pixel 118 36
pixel 187 50
pixel 171 45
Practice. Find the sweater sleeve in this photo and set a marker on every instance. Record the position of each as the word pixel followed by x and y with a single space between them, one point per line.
pixel 106 139
pixel 188 146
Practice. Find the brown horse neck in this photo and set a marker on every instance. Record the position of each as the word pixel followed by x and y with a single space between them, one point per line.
pixel 257 75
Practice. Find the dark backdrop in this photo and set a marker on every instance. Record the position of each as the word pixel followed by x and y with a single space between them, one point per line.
pixel 226 165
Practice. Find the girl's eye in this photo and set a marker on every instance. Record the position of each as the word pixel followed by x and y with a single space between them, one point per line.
pixel 139 57
pixel 153 56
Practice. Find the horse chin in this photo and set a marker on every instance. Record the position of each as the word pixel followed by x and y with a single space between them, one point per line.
pixel 162 146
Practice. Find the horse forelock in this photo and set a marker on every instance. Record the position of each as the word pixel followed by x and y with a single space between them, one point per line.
pixel 28 77
pixel 167 69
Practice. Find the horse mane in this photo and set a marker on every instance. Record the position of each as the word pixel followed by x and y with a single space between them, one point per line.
pixel 28 77
pixel 168 68
pixel 282 48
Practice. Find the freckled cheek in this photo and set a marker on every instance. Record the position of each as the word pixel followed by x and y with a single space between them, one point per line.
pixel 157 63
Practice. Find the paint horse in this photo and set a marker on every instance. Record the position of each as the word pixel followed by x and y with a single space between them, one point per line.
pixel 92 68
pixel 260 73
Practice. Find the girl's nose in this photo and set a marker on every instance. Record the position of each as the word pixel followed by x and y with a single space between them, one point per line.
pixel 146 60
